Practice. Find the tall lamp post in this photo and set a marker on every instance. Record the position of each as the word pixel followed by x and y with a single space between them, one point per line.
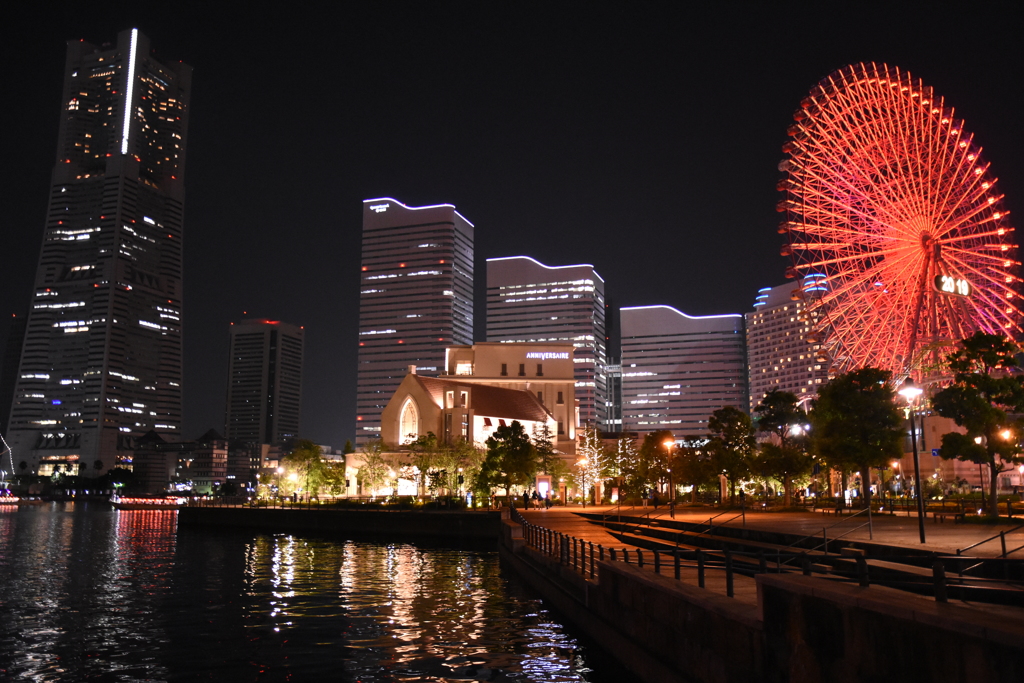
pixel 911 391
pixel 669 443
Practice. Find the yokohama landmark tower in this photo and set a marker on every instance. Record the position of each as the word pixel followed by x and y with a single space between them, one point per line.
pixel 101 363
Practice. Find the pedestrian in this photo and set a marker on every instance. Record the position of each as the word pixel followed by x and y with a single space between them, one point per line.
pixel 654 499
pixel 547 501
pixel 526 500
pixel 536 499
pixel 672 509
pixel 644 495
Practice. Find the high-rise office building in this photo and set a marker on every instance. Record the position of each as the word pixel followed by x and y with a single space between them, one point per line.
pixel 528 301
pixel 415 300
pixel 264 382
pixel 781 351
pixel 678 369
pixel 101 363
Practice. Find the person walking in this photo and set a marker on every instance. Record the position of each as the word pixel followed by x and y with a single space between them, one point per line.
pixel 547 501
pixel 526 500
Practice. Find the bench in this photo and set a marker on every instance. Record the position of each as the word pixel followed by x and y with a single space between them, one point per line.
pixel 940 515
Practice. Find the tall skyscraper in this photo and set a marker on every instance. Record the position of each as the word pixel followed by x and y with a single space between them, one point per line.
pixel 528 301
pixel 781 352
pixel 678 369
pixel 264 382
pixel 101 363
pixel 416 299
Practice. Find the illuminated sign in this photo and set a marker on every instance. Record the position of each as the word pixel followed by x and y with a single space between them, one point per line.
pixel 957 286
pixel 379 208
pixel 545 355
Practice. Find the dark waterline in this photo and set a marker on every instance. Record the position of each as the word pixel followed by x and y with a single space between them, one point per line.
pixel 92 594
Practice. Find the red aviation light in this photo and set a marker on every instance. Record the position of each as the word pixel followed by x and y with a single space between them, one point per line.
pixel 364 269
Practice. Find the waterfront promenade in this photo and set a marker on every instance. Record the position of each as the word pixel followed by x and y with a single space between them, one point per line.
pixel 897 530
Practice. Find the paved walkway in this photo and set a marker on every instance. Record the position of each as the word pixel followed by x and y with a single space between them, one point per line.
pixel 900 531
pixel 895 530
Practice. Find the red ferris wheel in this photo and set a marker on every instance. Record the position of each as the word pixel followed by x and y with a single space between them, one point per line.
pixel 895 226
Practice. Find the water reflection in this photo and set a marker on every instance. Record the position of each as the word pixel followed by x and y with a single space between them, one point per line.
pixel 93 594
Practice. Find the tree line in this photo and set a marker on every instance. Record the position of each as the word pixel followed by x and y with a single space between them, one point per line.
pixel 855 424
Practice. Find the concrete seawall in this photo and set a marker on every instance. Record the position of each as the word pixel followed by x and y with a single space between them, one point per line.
pixel 803 629
pixel 470 526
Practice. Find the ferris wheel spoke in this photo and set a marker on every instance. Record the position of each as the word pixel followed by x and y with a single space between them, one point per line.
pixel 881 169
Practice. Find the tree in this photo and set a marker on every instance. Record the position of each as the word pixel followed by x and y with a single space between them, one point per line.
pixel 592 465
pixel 511 458
pixel 374 471
pixel 984 389
pixel 784 456
pixel 305 463
pixel 692 464
pixel 731 445
pixel 855 423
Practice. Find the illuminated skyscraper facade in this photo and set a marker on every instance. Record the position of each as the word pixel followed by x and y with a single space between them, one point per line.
pixel 264 382
pixel 101 363
pixel 781 352
pixel 678 369
pixel 528 301
pixel 415 300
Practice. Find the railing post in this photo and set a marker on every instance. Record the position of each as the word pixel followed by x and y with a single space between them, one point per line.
pixel 806 562
pixel 657 562
pixel 639 557
pixel 675 553
pixel 939 577
pixel 700 568
pixel 762 564
pixel 824 535
pixel 592 559
pixel 611 552
pixel 625 555
pixel 728 574
pixel 862 571
pixel 600 552
pixel 1002 541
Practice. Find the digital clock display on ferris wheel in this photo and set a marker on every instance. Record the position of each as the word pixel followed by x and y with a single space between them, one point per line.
pixel 949 284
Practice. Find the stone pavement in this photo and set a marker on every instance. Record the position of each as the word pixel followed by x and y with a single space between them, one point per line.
pixel 900 531
pixel 896 530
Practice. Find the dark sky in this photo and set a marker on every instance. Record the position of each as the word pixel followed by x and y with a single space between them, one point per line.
pixel 643 138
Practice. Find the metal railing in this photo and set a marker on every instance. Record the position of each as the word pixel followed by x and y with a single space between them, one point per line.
pixel 1002 540
pixel 584 557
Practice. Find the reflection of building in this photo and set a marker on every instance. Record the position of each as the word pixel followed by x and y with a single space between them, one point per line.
pixel 264 381
pixel 528 301
pixel 416 298
pixel 678 369
pixel 453 410
pixel 781 354
pixel 101 363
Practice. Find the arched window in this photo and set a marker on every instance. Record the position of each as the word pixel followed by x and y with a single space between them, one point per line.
pixel 409 423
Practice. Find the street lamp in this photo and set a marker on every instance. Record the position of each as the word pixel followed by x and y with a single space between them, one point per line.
pixel 910 392
pixel 669 443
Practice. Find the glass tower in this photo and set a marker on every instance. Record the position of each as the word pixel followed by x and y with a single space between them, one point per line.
pixel 101 363
pixel 528 301
pixel 416 299
pixel 264 382
pixel 678 369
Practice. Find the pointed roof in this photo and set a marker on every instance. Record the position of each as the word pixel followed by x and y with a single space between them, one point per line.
pixel 488 401
pixel 210 435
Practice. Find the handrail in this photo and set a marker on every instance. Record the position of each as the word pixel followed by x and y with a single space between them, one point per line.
pixel 711 527
pixel 582 556
pixel 1001 533
pixel 826 528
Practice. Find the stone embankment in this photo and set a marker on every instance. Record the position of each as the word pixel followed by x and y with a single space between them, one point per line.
pixel 789 627
pixel 460 526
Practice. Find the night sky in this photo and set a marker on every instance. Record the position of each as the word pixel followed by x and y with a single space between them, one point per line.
pixel 643 138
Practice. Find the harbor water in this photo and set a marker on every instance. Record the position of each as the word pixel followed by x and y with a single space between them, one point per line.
pixel 88 593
